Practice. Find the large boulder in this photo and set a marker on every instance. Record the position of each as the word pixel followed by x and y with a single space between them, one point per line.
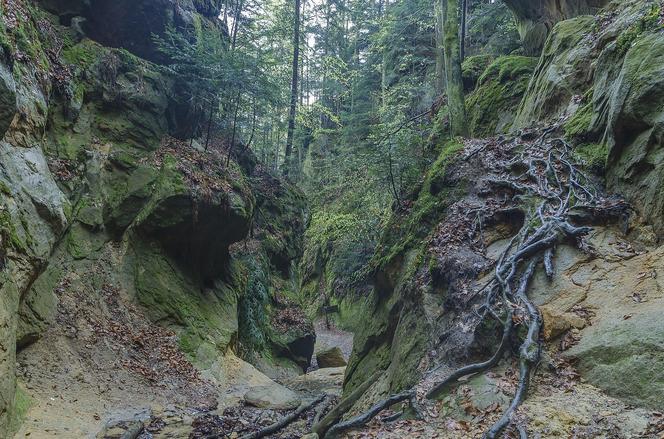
pixel 272 396
pixel 332 357
pixel 622 352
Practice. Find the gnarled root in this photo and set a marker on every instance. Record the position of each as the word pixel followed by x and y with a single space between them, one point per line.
pixel 285 421
pixel 366 417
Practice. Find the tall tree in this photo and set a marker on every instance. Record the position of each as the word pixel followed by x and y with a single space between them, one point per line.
pixel 452 50
pixel 440 59
pixel 293 102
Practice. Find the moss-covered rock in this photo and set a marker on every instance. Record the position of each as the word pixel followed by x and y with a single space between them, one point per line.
pixel 7 100
pixel 472 68
pixel 393 335
pixel 635 128
pixel 491 107
pixel 203 317
pixel 564 70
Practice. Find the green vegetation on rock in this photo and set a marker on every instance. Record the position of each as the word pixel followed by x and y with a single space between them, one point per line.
pixel 491 107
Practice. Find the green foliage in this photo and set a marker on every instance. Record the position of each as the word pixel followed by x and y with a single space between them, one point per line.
pixel 405 230
pixel 253 306
pixel 327 227
pixel 491 29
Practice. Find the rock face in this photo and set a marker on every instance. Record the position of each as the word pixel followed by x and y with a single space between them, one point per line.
pixel 603 74
pixel 500 88
pixel 7 100
pixel 622 351
pixel 131 24
pixel 535 19
pixel 105 217
pixel 332 357
pixel 601 77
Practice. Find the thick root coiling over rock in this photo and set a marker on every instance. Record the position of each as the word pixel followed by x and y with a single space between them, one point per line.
pixel 554 182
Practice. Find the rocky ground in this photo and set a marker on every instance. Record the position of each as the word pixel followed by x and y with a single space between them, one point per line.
pixel 93 378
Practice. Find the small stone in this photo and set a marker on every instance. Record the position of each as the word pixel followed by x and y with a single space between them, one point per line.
pixel 557 323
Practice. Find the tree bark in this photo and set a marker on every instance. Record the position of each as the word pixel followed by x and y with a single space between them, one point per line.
pixel 452 50
pixel 440 58
pixel 294 88
pixel 464 14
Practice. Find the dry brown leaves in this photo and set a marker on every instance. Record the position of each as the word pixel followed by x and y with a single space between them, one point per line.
pixel 62 169
pixel 147 350
pixel 204 171
pixel 290 318
pixel 571 338
pixel 656 425
pixel 584 312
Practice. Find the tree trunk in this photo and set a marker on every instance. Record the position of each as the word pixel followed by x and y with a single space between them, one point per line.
pixel 440 59
pixel 236 23
pixel 237 111
pixel 464 14
pixel 294 88
pixel 452 50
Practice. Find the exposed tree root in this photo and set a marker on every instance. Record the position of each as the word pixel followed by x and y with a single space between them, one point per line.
pixel 367 416
pixel 285 421
pixel 344 405
pixel 554 181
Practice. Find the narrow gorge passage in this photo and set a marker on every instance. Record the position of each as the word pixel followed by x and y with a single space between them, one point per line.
pixel 329 219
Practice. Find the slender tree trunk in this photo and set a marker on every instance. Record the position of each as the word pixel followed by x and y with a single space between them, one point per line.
pixel 293 103
pixel 209 127
pixel 236 23
pixel 464 16
pixel 455 98
pixel 237 111
pixel 440 58
pixel 253 127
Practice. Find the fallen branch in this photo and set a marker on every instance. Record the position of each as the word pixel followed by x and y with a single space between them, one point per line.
pixel 284 422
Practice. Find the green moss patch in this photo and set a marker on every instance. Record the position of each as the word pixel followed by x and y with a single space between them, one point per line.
pixel 578 125
pixel 501 87
pixel 472 68
pixel 593 155
pixel 406 229
pixel 22 403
